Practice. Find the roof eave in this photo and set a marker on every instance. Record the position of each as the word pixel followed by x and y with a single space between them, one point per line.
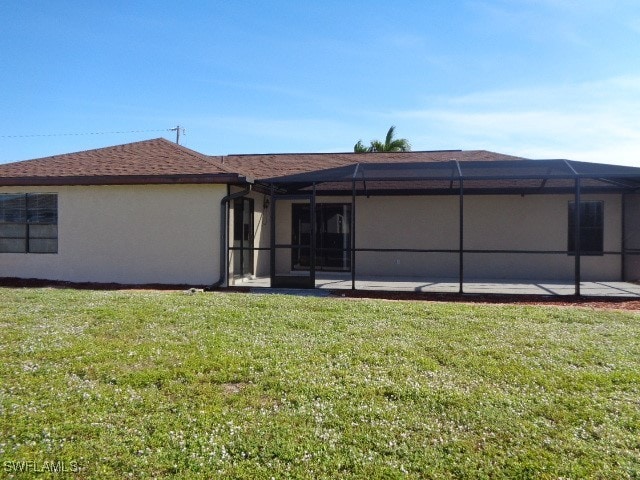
pixel 182 179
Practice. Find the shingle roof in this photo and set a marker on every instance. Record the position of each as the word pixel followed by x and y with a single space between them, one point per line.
pixel 149 161
pixel 161 161
pixel 274 165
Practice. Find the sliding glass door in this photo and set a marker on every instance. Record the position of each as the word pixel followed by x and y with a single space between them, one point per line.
pixel 332 236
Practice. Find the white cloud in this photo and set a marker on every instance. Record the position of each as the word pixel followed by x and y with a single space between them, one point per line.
pixel 590 121
pixel 595 121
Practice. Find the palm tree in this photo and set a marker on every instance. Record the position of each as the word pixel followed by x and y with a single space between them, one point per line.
pixel 360 148
pixel 390 144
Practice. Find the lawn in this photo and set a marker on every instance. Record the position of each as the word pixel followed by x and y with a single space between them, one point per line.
pixel 213 385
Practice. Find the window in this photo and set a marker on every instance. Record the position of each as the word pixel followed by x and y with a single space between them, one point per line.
pixel 591 228
pixel 28 223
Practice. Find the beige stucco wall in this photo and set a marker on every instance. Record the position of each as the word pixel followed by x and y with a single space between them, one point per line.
pixel 283 235
pixel 514 222
pixel 632 237
pixel 262 227
pixel 536 222
pixel 421 222
pixel 129 234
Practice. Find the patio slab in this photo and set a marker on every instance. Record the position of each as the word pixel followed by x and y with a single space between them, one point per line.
pixel 338 281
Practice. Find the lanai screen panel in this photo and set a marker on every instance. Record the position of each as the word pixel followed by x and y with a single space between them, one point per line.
pixel 526 234
pixel 478 177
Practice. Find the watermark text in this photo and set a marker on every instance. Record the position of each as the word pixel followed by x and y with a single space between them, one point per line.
pixel 45 466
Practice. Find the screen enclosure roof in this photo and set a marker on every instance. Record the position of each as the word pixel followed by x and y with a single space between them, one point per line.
pixel 500 176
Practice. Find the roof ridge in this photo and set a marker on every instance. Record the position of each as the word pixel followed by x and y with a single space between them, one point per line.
pixel 199 156
pixel 193 153
pixel 57 155
pixel 344 153
pixel 153 158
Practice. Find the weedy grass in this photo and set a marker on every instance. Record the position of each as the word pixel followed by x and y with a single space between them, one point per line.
pixel 156 385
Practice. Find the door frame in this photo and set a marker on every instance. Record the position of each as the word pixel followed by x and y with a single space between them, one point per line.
pixel 246 246
pixel 301 278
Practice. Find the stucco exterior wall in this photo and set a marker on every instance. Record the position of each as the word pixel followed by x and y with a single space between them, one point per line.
pixel 632 237
pixel 514 222
pixel 536 222
pixel 283 235
pixel 421 222
pixel 262 228
pixel 128 234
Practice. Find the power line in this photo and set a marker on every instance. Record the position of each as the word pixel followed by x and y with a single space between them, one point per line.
pixel 90 133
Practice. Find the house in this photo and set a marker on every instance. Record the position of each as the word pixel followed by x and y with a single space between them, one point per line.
pixel 156 212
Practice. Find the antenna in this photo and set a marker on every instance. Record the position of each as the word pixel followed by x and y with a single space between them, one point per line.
pixel 177 130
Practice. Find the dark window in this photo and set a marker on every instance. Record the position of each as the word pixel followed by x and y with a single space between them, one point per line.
pixel 591 228
pixel 29 223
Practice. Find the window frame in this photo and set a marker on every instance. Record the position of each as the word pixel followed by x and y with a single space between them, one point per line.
pixel 37 214
pixel 591 228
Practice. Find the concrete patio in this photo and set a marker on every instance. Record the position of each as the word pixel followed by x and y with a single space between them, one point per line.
pixel 340 281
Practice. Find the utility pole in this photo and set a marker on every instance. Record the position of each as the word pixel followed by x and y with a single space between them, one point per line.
pixel 177 130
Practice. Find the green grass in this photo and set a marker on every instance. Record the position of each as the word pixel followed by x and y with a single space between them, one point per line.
pixel 152 384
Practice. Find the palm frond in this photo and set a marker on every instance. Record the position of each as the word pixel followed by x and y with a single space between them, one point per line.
pixel 390 144
pixel 389 139
pixel 360 148
pixel 377 146
pixel 399 145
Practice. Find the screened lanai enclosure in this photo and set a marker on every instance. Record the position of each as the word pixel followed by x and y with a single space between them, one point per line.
pixel 510 226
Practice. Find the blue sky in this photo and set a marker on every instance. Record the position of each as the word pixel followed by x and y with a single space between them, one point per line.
pixel 537 78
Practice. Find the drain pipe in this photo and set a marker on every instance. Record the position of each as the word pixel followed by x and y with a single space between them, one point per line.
pixel 224 230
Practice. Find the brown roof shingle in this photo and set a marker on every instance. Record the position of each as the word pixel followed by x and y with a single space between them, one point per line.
pixel 149 161
pixel 274 165
pixel 162 161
